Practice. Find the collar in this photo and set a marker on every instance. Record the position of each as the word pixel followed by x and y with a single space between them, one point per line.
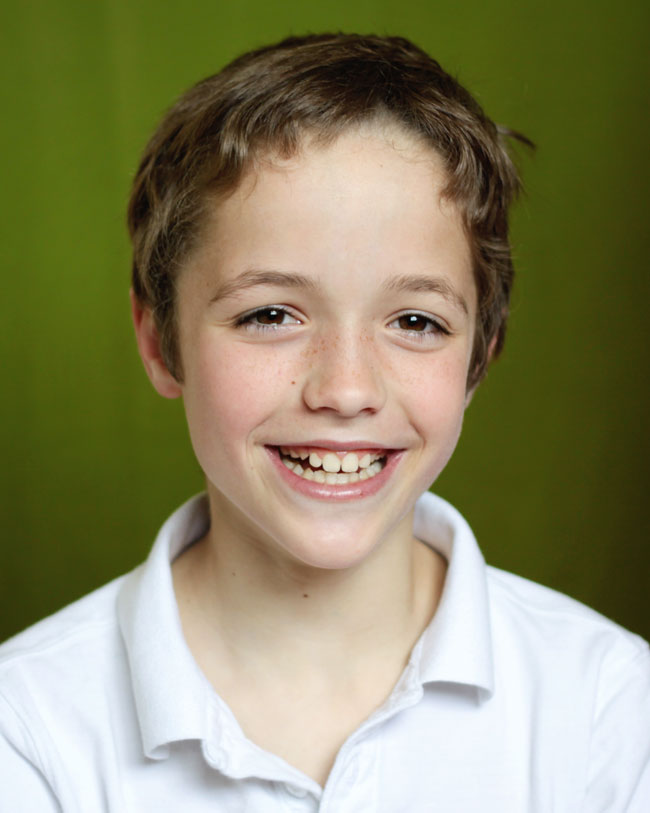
pixel 456 647
pixel 171 693
pixel 174 700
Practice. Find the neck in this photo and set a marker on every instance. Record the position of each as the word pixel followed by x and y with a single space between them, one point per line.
pixel 250 608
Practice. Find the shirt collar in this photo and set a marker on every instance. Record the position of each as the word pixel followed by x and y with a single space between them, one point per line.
pixel 171 693
pixel 173 697
pixel 456 647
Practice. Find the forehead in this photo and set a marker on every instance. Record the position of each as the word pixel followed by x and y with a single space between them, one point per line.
pixel 373 156
pixel 370 200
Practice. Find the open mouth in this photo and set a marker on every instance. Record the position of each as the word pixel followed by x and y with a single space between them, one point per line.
pixel 333 468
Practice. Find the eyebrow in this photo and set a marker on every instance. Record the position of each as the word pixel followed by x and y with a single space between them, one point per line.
pixel 249 279
pixel 404 283
pixel 423 283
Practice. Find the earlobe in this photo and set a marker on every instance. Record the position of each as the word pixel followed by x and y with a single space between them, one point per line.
pixel 148 340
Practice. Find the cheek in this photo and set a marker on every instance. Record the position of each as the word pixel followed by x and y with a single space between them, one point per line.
pixel 229 392
pixel 437 394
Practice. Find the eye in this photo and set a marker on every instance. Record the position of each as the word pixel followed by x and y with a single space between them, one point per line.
pixel 419 325
pixel 415 321
pixel 268 318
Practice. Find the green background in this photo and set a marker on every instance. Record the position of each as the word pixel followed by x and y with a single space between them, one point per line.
pixel 551 471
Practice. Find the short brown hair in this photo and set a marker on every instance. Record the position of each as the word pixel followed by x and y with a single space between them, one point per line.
pixel 268 100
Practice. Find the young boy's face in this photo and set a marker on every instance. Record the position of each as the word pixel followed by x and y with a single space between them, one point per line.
pixel 329 308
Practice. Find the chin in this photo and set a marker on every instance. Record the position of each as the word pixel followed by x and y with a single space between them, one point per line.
pixel 331 557
pixel 333 547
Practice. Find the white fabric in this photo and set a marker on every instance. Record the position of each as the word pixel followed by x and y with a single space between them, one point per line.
pixel 515 698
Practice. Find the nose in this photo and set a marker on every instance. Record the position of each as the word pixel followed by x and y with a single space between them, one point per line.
pixel 344 376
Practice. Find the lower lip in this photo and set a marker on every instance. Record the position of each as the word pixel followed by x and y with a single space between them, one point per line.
pixel 339 493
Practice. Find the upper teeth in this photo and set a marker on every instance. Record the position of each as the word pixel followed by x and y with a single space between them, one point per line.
pixel 331 462
pixel 331 477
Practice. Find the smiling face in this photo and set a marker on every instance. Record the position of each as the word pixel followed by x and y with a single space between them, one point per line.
pixel 325 328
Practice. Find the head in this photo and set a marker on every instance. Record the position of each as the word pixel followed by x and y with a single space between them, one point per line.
pixel 315 88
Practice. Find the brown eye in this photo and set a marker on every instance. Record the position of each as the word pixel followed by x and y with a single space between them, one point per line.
pixel 270 316
pixel 264 319
pixel 414 321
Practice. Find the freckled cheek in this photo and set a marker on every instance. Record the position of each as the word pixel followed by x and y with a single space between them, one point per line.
pixel 434 395
pixel 229 394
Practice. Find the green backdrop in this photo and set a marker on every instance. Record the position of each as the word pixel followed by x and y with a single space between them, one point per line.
pixel 551 471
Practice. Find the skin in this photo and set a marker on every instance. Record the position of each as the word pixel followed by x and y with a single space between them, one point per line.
pixel 338 363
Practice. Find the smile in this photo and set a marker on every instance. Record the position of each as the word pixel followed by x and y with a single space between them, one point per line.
pixel 335 471
pixel 332 468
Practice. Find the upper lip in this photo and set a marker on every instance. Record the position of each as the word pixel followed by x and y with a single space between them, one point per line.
pixel 338 446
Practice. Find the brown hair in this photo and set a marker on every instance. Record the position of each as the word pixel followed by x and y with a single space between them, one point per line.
pixel 267 100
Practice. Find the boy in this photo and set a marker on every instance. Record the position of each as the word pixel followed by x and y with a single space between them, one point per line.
pixel 322 272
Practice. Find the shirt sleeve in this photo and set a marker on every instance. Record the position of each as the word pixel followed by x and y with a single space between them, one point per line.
pixel 619 769
pixel 23 786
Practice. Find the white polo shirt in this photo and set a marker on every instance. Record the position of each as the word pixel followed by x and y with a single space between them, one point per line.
pixel 515 698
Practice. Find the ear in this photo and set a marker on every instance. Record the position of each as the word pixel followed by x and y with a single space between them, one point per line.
pixel 148 340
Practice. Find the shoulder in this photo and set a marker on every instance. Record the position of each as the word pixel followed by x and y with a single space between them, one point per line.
pixel 559 621
pixel 59 658
pixel 557 624
pixel 64 683
pixel 584 655
pixel 585 678
pixel 69 629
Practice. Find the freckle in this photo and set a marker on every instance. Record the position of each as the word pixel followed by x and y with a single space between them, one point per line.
pixel 233 573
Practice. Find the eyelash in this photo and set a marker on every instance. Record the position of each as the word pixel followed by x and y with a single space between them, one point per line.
pixel 436 328
pixel 247 321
